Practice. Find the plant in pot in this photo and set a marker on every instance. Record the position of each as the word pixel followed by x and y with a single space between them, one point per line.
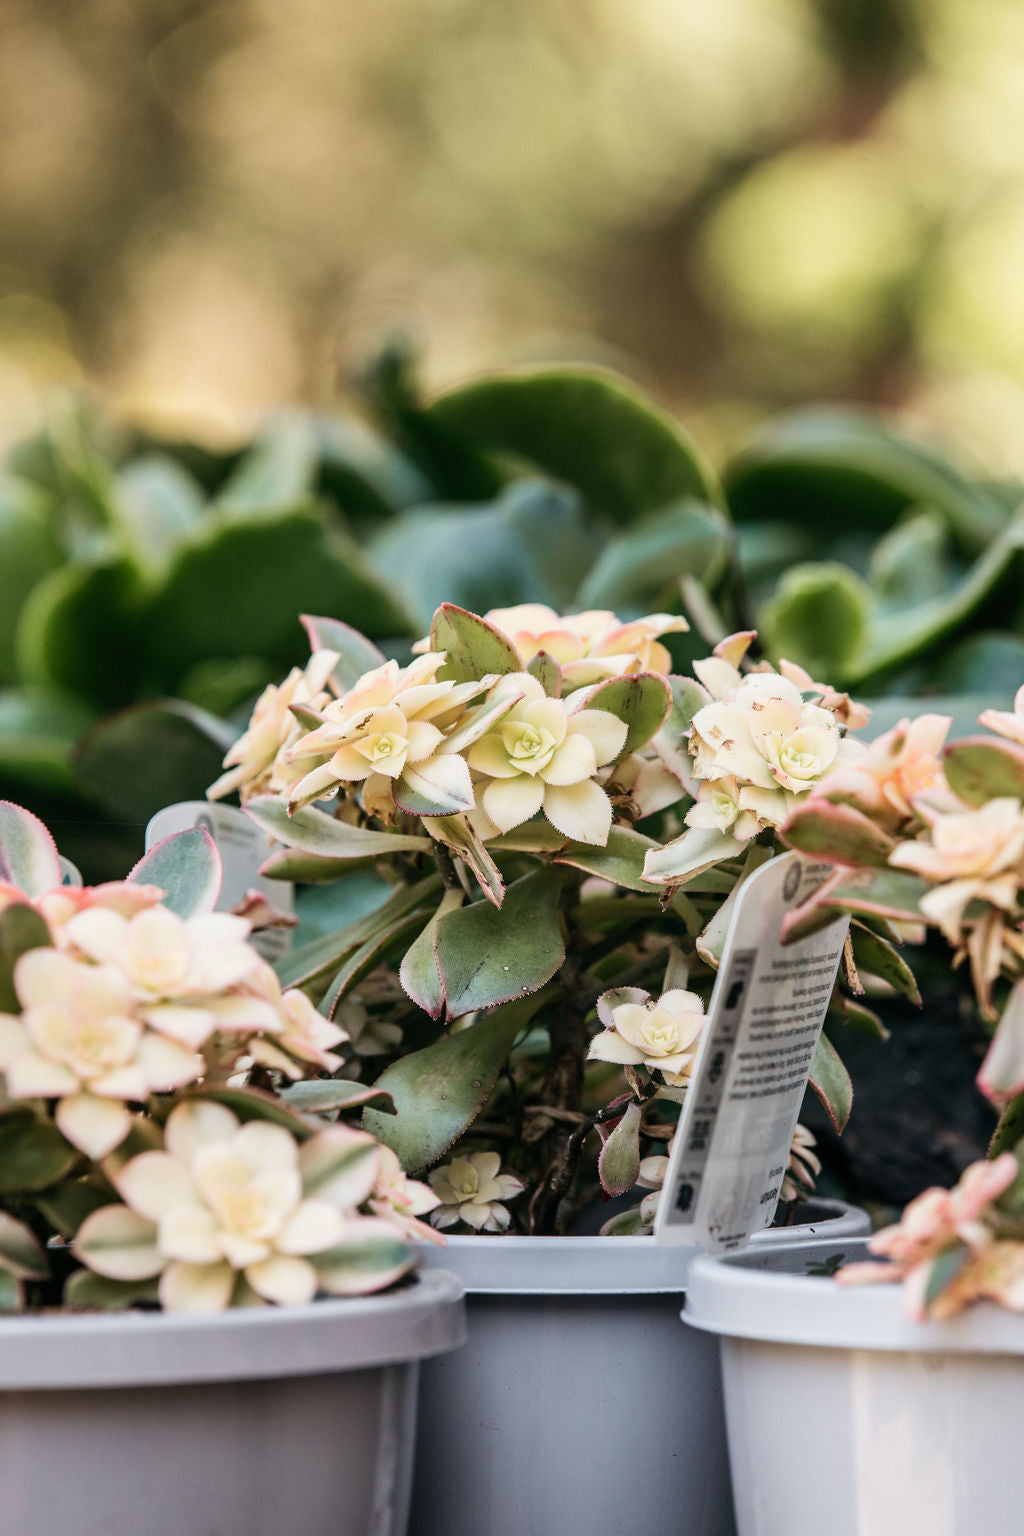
pixel 545 827
pixel 172 1153
pixel 926 1376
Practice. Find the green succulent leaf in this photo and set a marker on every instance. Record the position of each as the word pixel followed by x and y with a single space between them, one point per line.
pixel 839 833
pixel 875 956
pixel 980 768
pixel 357 655
pixel 456 833
pixel 831 1082
pixel 831 467
pixel 621 860
pixel 66 1205
pixel 420 974
pixel 325 1095
pixel 367 957
pixel 639 571
pixel 12 1294
pixel 587 427
pixel 474 648
pixel 819 618
pixel 37 733
pixel 78 631
pixel 618 1165
pixel 21 1252
pixel 29 551
pixel 277 473
pixel 156 504
pixel 642 700
pixel 698 849
pixel 313 831
pixel 187 867
pixel 321 956
pixel 33 1154
pixel 438 1092
pixel 531 544
pixel 486 956
pixel 21 929
pixel 363 1263
pixel 136 762
pixel 88 1292
pixel 28 854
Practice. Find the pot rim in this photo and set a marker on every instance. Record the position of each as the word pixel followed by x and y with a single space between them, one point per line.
pixel 767 1296
pixel 501 1264
pixel 138 1349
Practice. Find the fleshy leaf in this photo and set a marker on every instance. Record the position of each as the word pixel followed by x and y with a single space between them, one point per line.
pixel 457 834
pixel 877 957
pixel 323 955
pixel 21 929
pixel 839 833
pixel 486 956
pixel 618 1165
pixel 372 1257
pixel 86 1292
pixel 641 700
pixel 1002 1072
pixel 28 854
pixel 621 860
pixel 357 655
pixel 320 1096
pixel 419 972
pixel 474 648
pixel 33 1154
pixel 547 672
pixel 438 1092
pixel 313 831
pixel 21 1252
pixel 982 768
pixel 187 867
pixel 698 849
pixel 371 953
pixel 831 1082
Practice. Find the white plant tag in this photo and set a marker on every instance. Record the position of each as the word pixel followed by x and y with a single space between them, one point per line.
pixel 70 874
pixel 741 1108
pixel 243 847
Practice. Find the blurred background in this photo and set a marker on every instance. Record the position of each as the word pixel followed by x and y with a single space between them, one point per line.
pixel 211 209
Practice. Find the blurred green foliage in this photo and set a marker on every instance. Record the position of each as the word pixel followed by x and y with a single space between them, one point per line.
pixel 149 589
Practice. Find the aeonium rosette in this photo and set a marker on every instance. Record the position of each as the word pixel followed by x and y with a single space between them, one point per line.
pixel 492 814
pixel 149 1062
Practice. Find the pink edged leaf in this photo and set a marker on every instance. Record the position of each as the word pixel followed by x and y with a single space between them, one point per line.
pixel 187 867
pixel 877 957
pixel 439 1091
pixel 486 957
pixel 457 834
pixel 419 972
pixel 21 1252
pixel 619 1163
pixel 831 1082
pixel 473 648
pixel 621 860
pixel 641 701
pixel 1001 1076
pixel 28 854
pixel 313 831
pixel 885 893
pixel 942 1272
pixel 839 833
pixel 982 768
pixel 357 654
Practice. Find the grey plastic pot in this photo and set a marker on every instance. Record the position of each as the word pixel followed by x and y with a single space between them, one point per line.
pixel 257 1422
pixel 847 1417
pixel 578 1405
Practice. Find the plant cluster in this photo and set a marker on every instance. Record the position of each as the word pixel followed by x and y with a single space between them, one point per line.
pixel 920 833
pixel 555 825
pixel 148 589
pixel 166 1136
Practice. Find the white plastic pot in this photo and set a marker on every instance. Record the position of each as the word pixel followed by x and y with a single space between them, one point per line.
pixel 847 1417
pixel 576 1407
pixel 255 1422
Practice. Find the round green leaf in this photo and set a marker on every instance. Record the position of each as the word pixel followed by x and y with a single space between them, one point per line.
pixel 587 427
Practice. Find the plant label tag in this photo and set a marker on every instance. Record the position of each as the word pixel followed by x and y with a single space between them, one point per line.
pixel 70 874
pixel 767 1009
pixel 243 848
